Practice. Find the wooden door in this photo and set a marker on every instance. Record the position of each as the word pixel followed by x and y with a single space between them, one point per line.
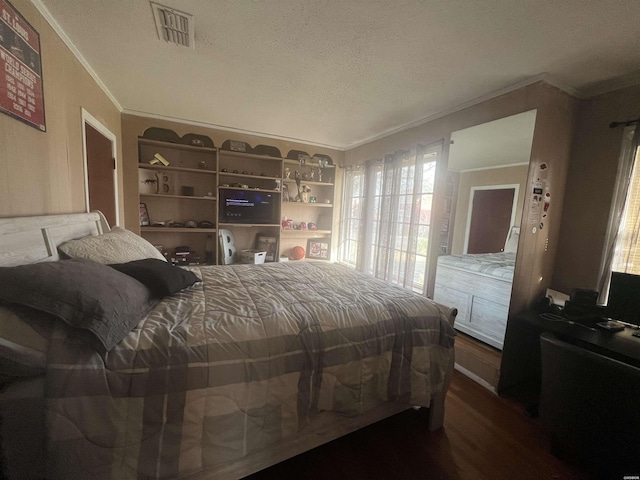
pixel 490 220
pixel 101 174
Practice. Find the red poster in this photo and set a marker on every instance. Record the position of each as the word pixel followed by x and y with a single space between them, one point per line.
pixel 21 93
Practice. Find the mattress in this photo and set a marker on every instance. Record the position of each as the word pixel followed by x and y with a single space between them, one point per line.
pixel 497 265
pixel 234 364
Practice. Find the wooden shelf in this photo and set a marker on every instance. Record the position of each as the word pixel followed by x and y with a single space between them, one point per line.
pixel 185 197
pixel 233 153
pixel 250 189
pixel 248 225
pixel 308 182
pixel 301 204
pixel 288 161
pixel 245 175
pixel 161 168
pixel 292 232
pixel 175 146
pixel 177 230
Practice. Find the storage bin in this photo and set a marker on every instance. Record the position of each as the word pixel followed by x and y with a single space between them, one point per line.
pixel 252 256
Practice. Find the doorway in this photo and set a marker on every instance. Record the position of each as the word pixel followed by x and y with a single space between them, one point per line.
pixel 101 176
pixel 492 214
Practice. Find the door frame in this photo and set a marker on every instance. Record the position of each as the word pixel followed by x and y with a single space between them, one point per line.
pixel 514 186
pixel 87 118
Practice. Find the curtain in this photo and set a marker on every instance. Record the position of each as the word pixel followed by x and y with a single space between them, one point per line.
pixel 399 212
pixel 386 216
pixel 621 242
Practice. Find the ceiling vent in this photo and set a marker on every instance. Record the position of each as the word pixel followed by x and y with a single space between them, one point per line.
pixel 173 26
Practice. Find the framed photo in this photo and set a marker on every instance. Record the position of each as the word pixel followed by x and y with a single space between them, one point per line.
pixel 317 250
pixel 144 215
pixel 269 244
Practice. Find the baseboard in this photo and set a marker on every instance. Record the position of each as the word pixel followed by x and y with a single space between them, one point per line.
pixel 476 378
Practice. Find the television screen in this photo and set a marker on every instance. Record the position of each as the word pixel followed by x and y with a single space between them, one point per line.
pixel 247 206
pixel 624 298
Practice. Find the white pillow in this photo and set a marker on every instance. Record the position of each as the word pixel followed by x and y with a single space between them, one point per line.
pixel 116 246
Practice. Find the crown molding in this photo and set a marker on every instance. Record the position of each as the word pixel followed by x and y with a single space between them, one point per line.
pixel 600 88
pixel 543 77
pixel 493 167
pixel 67 41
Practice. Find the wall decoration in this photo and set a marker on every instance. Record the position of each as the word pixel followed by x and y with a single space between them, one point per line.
pixel 269 244
pixel 317 250
pixel 144 215
pixel 21 91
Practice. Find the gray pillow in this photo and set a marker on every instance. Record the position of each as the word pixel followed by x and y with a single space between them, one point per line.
pixel 82 293
pixel 162 278
pixel 116 246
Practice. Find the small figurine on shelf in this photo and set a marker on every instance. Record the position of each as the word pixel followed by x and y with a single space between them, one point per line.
pixel 303 196
pixel 298 185
pixel 312 226
pixel 322 163
pixel 312 175
pixel 285 192
pixel 303 225
pixel 286 223
pixel 287 173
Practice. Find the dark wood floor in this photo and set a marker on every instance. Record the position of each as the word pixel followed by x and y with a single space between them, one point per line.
pixel 484 437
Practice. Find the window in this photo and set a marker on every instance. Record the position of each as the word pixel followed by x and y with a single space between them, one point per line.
pixel 622 244
pixel 391 202
pixel 351 218
pixel 626 255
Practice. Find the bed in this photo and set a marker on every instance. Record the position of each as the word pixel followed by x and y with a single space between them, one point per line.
pixel 480 286
pixel 242 368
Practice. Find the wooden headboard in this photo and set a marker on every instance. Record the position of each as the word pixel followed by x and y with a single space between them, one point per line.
pixel 25 240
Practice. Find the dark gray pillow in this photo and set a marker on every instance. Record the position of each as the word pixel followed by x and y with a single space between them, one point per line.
pixel 82 293
pixel 160 276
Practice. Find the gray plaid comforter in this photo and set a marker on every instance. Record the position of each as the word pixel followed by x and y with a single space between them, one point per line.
pixel 236 363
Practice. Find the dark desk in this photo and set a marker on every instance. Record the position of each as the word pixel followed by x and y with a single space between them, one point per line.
pixel 520 367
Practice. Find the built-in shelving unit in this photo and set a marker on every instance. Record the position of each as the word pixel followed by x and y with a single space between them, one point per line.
pixel 315 207
pixel 183 191
pixel 198 184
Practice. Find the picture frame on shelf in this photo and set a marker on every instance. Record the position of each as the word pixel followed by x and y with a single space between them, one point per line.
pixel 269 244
pixel 317 249
pixel 144 215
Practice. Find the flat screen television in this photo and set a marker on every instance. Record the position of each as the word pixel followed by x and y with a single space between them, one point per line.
pixel 624 298
pixel 247 206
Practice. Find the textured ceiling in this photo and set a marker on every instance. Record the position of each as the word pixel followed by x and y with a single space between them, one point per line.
pixel 341 72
